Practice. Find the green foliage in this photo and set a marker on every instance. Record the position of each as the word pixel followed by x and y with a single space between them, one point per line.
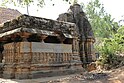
pixel 22 2
pixel 111 47
pixel 40 3
pixel 109 36
pixel 121 30
pixel 102 23
pixel 26 3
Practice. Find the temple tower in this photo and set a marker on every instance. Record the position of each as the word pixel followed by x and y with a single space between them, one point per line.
pixel 76 15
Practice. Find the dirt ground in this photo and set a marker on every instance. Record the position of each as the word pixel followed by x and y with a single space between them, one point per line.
pixel 112 76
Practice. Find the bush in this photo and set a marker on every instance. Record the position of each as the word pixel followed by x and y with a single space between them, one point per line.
pixel 110 50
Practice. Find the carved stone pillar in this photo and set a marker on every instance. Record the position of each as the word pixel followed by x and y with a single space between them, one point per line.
pixel 89 48
pixel 22 72
pixel 9 71
pixel 43 37
pixel 24 36
pixel 75 50
pixel 82 52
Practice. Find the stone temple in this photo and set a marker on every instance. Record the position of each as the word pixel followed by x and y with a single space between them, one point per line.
pixel 33 47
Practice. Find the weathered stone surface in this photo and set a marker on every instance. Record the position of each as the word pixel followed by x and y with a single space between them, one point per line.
pixel 37 46
pixel 22 64
pixel 25 21
pixel 76 15
pixel 1 69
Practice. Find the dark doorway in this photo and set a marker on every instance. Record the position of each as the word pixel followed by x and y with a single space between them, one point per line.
pixel 52 39
pixel 34 38
pixel 68 41
pixel 1 50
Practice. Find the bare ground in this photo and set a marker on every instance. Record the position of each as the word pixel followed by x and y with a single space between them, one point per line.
pixel 112 76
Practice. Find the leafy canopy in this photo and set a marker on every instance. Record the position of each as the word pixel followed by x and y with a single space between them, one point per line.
pixel 28 2
pixel 102 23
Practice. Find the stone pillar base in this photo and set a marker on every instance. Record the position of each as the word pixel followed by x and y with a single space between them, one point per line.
pixel 22 72
pixel 56 70
pixel 9 71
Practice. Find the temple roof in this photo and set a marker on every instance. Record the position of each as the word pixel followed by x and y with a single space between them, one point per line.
pixel 37 25
pixel 75 14
pixel 8 14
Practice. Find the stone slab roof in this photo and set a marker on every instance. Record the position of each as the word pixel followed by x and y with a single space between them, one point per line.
pixel 8 14
pixel 38 25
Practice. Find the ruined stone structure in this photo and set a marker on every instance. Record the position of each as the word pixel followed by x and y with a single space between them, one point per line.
pixel 76 15
pixel 36 47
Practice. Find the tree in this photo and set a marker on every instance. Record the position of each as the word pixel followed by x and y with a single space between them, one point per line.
pixel 102 23
pixel 23 3
pixel 108 34
pixel 27 3
pixel 110 48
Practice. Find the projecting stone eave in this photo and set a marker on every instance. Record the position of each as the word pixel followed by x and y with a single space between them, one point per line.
pixel 38 23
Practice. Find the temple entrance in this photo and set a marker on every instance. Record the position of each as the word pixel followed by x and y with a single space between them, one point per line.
pixel 34 38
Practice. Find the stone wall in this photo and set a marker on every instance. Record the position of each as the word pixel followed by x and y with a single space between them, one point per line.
pixel 22 61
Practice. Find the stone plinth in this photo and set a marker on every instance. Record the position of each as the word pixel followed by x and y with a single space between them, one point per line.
pixel 9 71
pixel 35 59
